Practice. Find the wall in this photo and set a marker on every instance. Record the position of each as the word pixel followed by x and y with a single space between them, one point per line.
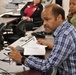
pixel 3 2
pixel 66 6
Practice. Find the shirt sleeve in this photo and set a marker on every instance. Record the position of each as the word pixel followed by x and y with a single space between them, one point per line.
pixel 62 48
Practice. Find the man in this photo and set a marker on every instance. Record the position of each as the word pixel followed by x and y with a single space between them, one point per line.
pixel 63 54
pixel 72 12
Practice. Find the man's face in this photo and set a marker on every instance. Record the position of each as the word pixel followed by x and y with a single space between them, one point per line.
pixel 72 6
pixel 49 21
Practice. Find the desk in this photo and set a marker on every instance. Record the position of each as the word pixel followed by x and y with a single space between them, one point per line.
pixel 7 20
pixel 31 71
pixel 14 69
pixel 47 37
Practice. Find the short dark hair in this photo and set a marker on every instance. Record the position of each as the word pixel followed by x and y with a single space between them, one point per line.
pixel 56 10
pixel 40 1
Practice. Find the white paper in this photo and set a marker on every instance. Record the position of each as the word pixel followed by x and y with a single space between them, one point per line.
pixel 32 48
pixel 10 13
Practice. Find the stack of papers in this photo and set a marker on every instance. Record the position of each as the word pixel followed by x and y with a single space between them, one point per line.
pixel 32 48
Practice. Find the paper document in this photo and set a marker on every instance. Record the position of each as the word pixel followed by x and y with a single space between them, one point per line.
pixel 32 48
pixel 9 14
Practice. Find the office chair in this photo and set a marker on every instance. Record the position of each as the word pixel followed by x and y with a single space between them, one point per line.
pixel 37 24
pixel 18 31
pixel 2 27
pixel 30 26
pixel 51 71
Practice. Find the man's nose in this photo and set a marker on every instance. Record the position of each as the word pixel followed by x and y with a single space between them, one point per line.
pixel 71 5
pixel 44 22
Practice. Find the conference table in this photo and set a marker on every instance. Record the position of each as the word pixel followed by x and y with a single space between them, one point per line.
pixel 21 69
pixel 7 20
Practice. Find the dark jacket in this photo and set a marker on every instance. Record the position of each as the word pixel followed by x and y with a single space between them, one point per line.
pixel 36 15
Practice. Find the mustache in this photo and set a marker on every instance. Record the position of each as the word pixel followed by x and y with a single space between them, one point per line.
pixel 46 26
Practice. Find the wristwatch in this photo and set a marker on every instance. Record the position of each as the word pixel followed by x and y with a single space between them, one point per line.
pixel 23 59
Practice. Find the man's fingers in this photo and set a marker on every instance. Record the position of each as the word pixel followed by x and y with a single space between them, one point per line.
pixel 12 48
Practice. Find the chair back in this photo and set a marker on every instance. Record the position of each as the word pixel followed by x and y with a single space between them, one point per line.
pixel 21 29
pixel 51 71
pixel 2 27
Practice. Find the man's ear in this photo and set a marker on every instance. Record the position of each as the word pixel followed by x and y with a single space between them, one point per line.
pixel 59 17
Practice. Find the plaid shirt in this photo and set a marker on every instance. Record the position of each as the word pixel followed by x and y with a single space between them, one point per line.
pixel 63 54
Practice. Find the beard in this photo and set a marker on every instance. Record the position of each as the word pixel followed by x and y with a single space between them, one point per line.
pixel 48 30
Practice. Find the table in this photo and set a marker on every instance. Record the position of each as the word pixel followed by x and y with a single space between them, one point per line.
pixel 14 69
pixel 47 37
pixel 28 71
pixel 7 20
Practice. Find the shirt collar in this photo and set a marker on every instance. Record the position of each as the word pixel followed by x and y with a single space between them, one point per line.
pixel 59 28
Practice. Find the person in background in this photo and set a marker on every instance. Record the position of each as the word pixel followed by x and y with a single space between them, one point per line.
pixel 63 54
pixel 72 12
pixel 31 13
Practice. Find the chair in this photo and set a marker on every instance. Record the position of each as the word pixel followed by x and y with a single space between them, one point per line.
pixel 30 26
pixel 2 27
pixel 51 71
pixel 37 24
pixel 18 31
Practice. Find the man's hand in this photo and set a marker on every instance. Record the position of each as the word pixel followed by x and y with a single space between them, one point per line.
pixel 44 42
pixel 15 54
